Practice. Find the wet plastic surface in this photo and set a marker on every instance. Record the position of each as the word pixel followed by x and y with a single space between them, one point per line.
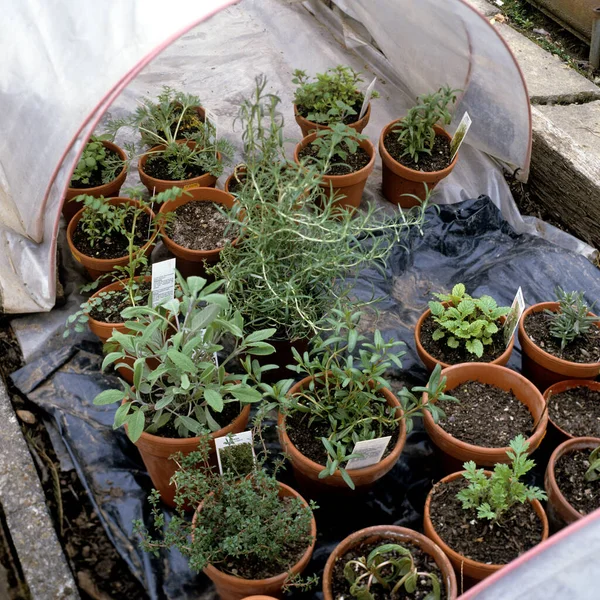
pixel 467 242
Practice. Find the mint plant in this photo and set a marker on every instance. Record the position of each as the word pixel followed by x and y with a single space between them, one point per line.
pixel 470 322
pixel 332 97
pixel 189 388
pixel 388 571
pixel 95 157
pixel 415 132
pixel 571 321
pixel 494 496
pixel 593 472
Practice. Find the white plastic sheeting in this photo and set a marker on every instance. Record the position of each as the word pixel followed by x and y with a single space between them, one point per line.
pixel 81 53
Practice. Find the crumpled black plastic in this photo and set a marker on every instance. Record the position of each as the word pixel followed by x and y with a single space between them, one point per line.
pixel 467 242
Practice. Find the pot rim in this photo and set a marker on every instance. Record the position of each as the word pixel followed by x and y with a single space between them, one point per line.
pixel 318 126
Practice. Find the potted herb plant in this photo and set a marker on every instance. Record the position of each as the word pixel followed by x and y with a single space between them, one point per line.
pixel 332 97
pixel 482 520
pixel 197 229
pixel 495 404
pixel 343 157
pixel 190 393
pixel 458 328
pixel 560 340
pixel 249 536
pixel 387 561
pixel 345 399
pixel 572 480
pixel 101 171
pixel 415 150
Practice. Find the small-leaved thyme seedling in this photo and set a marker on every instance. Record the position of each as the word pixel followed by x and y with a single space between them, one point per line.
pixel 572 320
pixel 416 131
pixel 467 321
pixel 387 570
pixel 494 496
pixel 593 472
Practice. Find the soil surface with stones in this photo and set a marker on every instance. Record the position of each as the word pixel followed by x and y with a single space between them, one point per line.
pixel 437 160
pixel 569 472
pixel 576 411
pixel 200 226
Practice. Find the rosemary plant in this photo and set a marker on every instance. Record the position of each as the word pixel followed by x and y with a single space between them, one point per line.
pixel 571 321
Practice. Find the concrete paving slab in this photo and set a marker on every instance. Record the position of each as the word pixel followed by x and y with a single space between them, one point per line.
pixel 38 548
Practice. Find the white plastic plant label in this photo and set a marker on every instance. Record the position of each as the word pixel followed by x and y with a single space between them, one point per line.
pixel 460 134
pixel 163 281
pixel 368 94
pixel 211 117
pixel 371 450
pixel 234 439
pixel 513 317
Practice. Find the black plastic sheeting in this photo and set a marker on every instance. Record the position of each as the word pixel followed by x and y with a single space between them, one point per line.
pixel 467 242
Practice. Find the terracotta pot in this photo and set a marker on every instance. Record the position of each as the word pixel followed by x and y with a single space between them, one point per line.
pixel 349 186
pixel 108 190
pixel 156 186
pixel 543 368
pixel 230 587
pixel 399 180
pixel 560 512
pixel 500 377
pixel 155 452
pixel 471 569
pixel 309 127
pixel 560 435
pixel 238 172
pixel 260 598
pixel 401 535
pixel 430 361
pixel 307 471
pixel 191 262
pixel 99 266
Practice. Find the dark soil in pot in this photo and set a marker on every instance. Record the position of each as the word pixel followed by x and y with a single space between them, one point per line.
pixel 440 350
pixel 438 160
pixel 237 184
pixel 115 302
pixel 340 166
pixel 423 562
pixel 114 245
pixel 307 439
pixel 576 411
pixel 303 112
pixel 585 349
pixel 480 539
pixel 200 226
pixel 157 167
pixel 569 471
pixel 96 175
pixel 485 415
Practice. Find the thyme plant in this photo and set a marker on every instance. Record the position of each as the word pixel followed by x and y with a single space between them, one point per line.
pixel 571 321
pixel 189 388
pixel 593 472
pixel 494 496
pixel 385 572
pixel 416 131
pixel 470 322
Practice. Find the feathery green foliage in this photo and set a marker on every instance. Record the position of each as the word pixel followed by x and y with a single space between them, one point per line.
pixel 96 157
pixel 572 320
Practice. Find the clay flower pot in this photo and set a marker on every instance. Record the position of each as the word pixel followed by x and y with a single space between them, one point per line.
pixel 156 450
pixel 99 266
pixel 472 570
pixel 560 512
pixel 239 173
pixel 399 180
pixel 430 361
pixel 457 452
pixel 543 368
pixel 155 186
pixel 559 434
pixel 309 127
pixel 400 535
pixel 230 587
pixel 349 186
pixel 307 471
pixel 191 262
pixel 108 190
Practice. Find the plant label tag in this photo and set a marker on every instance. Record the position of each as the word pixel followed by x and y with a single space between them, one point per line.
pixel 368 94
pixel 513 317
pixel 460 134
pixel 163 281
pixel 371 450
pixel 233 439
pixel 211 118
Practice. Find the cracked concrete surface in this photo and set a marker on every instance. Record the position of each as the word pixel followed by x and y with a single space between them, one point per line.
pixel 38 548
